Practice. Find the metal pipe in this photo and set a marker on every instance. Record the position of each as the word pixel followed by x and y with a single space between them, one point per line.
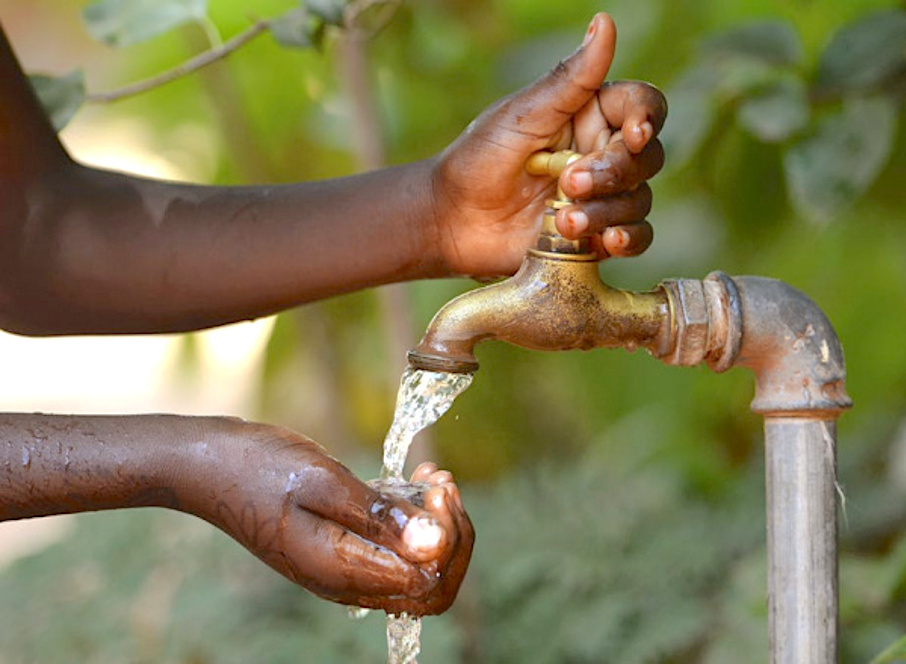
pixel 801 540
pixel 800 389
pixel 776 331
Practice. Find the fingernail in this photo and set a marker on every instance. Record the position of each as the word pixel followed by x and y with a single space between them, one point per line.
pixel 578 222
pixel 641 134
pixel 422 533
pixel 615 238
pixel 590 33
pixel 580 182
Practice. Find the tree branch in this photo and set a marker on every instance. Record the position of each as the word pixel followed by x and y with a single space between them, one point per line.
pixel 186 68
pixel 355 10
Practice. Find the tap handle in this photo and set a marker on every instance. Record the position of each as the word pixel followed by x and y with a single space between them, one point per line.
pixel 552 164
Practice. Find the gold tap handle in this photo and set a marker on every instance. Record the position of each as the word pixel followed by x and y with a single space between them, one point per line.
pixel 552 164
pixel 549 163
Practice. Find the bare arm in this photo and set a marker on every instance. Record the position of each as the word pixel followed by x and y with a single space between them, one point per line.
pixel 101 252
pixel 89 251
pixel 86 250
pixel 276 492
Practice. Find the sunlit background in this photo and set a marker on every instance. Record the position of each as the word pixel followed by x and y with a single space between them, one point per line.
pixel 618 502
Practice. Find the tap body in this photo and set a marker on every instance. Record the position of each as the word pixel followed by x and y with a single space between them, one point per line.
pixel 556 301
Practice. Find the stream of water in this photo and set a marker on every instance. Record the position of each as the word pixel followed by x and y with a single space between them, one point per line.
pixel 424 396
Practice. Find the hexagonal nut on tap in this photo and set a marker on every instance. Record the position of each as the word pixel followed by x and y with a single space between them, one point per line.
pixel 689 310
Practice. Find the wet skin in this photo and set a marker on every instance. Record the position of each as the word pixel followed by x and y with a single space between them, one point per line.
pixel 276 492
pixel 91 251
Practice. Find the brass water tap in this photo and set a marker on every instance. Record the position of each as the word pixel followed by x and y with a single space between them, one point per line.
pixel 556 301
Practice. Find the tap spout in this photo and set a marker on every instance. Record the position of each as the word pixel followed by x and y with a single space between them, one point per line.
pixel 555 302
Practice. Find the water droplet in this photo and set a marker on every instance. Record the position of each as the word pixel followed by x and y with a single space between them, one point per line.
pixel 26 457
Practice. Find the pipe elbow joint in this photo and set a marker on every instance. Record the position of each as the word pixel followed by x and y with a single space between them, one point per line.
pixel 769 327
pixel 793 349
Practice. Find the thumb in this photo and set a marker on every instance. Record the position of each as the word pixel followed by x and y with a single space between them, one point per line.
pixel 329 490
pixel 543 108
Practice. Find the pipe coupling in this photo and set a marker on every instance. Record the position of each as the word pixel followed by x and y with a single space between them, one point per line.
pixel 706 321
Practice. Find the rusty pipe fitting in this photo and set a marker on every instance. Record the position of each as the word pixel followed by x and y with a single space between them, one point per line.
pixel 764 325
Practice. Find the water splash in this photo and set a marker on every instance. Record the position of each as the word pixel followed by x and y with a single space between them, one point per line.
pixel 403 639
pixel 424 396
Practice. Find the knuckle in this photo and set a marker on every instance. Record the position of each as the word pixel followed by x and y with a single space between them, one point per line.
pixel 560 70
pixel 610 178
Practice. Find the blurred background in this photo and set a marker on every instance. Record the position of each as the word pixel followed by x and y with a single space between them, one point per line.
pixel 618 502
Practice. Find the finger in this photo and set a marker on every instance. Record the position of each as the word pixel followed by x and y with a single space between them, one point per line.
pixel 595 215
pixel 614 170
pixel 440 477
pixel 453 490
pixel 590 130
pixel 546 106
pixel 627 240
pixel 448 574
pixel 453 568
pixel 423 472
pixel 329 490
pixel 338 564
pixel 638 108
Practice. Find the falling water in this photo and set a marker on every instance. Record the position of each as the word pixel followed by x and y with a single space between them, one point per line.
pixel 423 397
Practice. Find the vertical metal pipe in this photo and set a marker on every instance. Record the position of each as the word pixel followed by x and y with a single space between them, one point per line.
pixel 776 331
pixel 801 539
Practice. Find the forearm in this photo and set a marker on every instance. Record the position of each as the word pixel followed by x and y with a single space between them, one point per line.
pixel 56 464
pixel 101 252
pixel 90 251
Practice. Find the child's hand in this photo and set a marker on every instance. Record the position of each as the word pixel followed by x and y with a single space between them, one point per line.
pixel 307 516
pixel 488 208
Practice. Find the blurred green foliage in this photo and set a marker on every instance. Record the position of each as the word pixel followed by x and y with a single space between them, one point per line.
pixel 618 502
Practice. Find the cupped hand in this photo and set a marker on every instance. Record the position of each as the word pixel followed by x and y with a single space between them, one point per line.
pixel 487 208
pixel 307 516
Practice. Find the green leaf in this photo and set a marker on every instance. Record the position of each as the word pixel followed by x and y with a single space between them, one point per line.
pixel 895 652
pixel 776 113
pixel 738 77
pixel 830 169
pixel 298 29
pixel 866 54
pixel 773 42
pixel 126 22
pixel 61 96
